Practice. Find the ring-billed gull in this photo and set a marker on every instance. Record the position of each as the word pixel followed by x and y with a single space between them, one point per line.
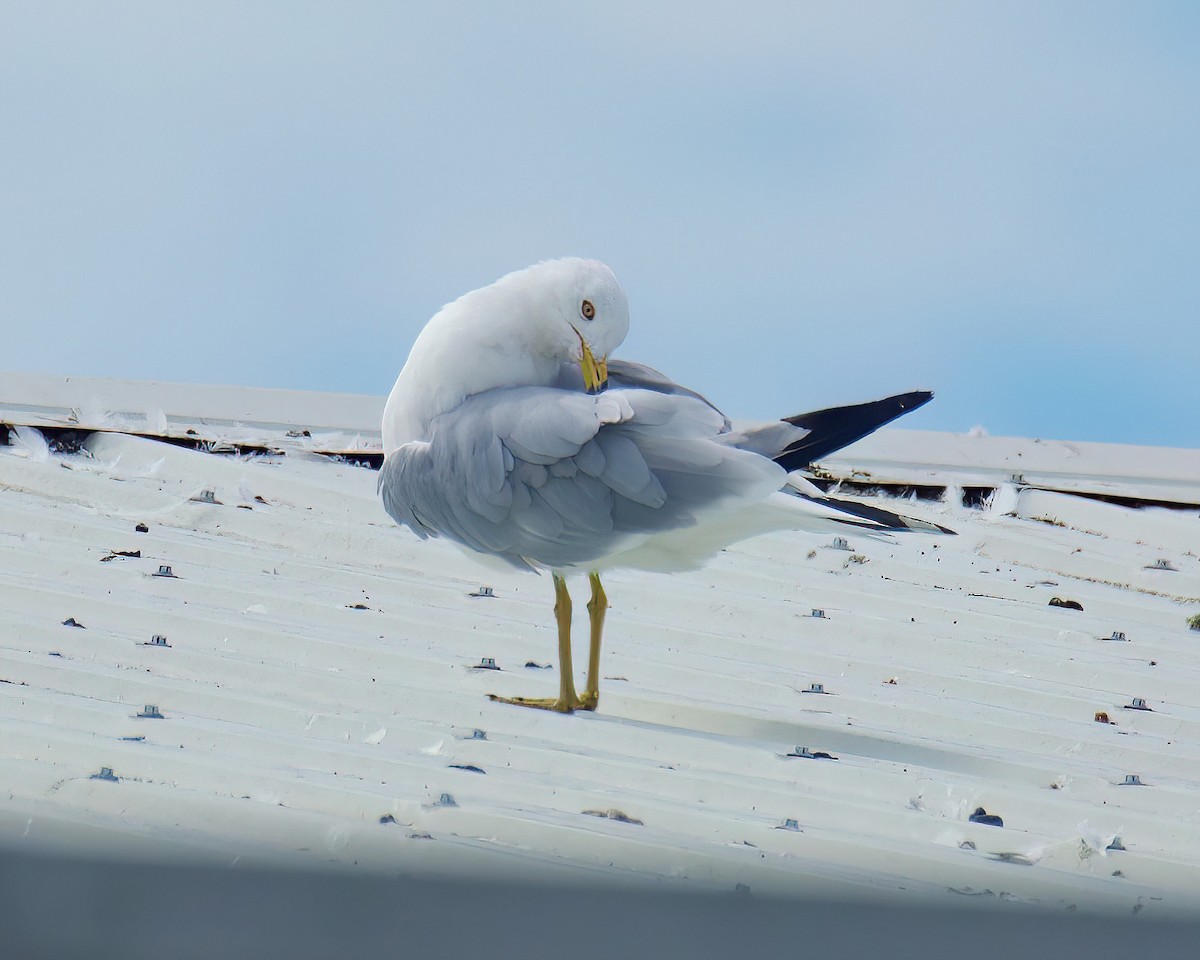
pixel 510 432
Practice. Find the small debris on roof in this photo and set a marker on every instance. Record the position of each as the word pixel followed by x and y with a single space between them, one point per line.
pixel 534 665
pixel 141 528
pixel 613 814
pixel 469 767
pixel 1021 859
pixel 1102 717
pixel 987 819
pixel 115 554
pixel 72 622
pixel 1162 563
pixel 1068 604
pixel 357 606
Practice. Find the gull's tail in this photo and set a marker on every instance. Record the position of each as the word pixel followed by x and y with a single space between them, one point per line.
pixel 855 514
pixel 836 427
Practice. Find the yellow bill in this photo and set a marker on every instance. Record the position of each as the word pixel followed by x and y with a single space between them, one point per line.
pixel 595 372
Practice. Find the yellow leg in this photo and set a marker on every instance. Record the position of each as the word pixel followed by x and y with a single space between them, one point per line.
pixel 567 698
pixel 597 607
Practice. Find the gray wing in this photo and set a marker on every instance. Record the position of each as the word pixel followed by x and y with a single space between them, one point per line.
pixel 547 477
pixel 772 439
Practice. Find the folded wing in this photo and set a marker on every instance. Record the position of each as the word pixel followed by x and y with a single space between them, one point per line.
pixel 546 477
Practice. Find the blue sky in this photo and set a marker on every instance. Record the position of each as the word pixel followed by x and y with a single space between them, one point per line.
pixel 807 203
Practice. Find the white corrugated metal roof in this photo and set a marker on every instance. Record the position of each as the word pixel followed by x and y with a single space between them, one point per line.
pixel 318 698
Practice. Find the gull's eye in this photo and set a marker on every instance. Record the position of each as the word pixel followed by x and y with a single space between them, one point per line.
pixel 587 310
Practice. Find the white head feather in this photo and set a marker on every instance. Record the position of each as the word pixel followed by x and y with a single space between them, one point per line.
pixel 518 331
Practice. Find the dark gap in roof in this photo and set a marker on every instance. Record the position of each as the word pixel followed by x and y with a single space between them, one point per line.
pixel 875 488
pixel 976 497
pixel 1136 503
pixel 71 440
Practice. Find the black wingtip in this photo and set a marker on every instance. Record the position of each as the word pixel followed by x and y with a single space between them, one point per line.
pixel 875 518
pixel 837 427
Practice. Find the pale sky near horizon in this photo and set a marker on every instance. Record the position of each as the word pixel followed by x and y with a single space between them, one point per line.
pixel 807 203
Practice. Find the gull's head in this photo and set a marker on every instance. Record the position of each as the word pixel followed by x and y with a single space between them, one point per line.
pixel 519 331
pixel 578 312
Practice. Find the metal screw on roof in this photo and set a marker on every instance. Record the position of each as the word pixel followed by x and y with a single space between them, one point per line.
pixel 446 800
pixel 158 640
pixel 1119 636
pixel 815 688
pixel 1132 780
pixel 164 570
pixel 840 543
pixel 478 734
pixel 482 592
pixel 206 496
pixel 151 712
pixel 487 663
pixel 106 773
pixel 790 824
pixel 1161 564
pixel 141 528
pixel 1137 704
pixel 818 613
pixel 805 753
